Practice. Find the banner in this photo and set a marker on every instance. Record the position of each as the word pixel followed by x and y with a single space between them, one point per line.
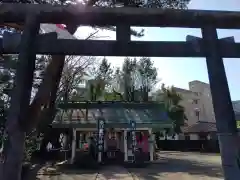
pixel 101 128
pixel 133 135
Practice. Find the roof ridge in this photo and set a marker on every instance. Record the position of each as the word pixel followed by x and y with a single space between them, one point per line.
pixel 206 122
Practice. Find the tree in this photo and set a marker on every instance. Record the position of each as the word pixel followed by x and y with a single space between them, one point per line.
pixel 147 76
pixel 102 79
pixel 147 73
pixel 117 81
pixel 74 72
pixel 129 77
pixel 7 73
pixel 104 71
pixel 46 94
pixel 175 111
pixel 136 77
pixel 6 84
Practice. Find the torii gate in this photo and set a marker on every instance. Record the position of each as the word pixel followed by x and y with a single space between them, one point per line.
pixel 210 47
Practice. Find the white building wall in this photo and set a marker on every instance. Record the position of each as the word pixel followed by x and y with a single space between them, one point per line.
pixel 197 98
pixel 194 137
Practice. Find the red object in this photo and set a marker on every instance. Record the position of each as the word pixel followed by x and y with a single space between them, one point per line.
pixel 85 145
pixel 145 145
pixel 61 26
pixel 137 139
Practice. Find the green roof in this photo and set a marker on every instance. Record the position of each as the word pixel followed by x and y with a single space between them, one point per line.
pixel 114 117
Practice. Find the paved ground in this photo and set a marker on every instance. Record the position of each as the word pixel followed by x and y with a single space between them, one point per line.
pixel 70 175
pixel 114 173
pixel 171 166
pixel 47 172
pixel 182 166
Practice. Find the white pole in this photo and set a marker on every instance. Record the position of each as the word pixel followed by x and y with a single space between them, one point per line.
pixel 151 144
pixel 125 145
pixel 73 146
pixel 99 156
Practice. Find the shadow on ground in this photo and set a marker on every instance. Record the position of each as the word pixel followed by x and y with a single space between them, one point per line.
pixel 66 172
pixel 179 169
pixel 32 174
pixel 75 170
pixel 175 166
pixel 114 172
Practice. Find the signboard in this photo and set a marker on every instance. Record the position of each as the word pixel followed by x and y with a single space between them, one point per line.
pixel 101 126
pixel 133 135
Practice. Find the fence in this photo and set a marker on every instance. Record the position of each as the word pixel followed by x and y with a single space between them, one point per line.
pixel 55 154
pixel 189 145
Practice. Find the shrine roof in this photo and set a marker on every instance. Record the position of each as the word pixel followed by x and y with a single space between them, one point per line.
pixel 114 117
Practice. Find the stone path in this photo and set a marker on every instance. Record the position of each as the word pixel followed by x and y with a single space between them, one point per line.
pixel 182 166
pixel 171 166
pixel 50 173
pixel 114 173
pixel 68 177
pixel 105 173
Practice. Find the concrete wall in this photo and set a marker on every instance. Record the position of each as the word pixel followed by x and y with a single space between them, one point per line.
pixel 204 93
pixel 195 136
pixel 187 102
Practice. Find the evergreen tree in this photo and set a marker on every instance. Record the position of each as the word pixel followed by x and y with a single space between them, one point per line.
pixel 175 110
pixel 147 76
pixel 103 74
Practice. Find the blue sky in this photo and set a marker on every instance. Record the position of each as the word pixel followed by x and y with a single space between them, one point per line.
pixel 179 71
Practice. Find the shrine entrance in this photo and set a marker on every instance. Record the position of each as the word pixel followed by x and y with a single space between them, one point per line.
pixel 114 146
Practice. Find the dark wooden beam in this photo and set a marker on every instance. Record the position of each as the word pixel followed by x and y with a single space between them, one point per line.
pixel 12 40
pixel 112 48
pixel 110 104
pixel 159 126
pixel 20 99
pixel 132 48
pixel 123 33
pixel 222 104
pixel 120 16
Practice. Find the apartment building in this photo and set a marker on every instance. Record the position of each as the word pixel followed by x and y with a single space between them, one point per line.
pixel 197 101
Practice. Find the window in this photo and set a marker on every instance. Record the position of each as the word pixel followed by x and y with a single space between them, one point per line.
pixel 197 114
pixel 187 137
pixel 81 138
pixel 195 101
pixel 203 137
pixel 81 82
pixel 196 94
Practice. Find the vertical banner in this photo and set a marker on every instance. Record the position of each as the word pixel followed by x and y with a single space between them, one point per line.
pixel 133 135
pixel 101 127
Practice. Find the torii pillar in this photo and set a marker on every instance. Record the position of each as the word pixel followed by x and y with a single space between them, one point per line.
pixel 222 104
